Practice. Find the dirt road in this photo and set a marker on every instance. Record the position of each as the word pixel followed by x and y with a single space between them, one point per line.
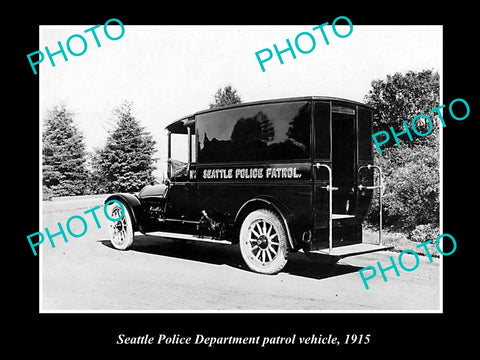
pixel 87 274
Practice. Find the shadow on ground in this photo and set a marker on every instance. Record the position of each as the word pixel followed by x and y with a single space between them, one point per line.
pixel 218 254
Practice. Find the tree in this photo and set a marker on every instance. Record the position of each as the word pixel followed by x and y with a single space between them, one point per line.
pixel 64 155
pixel 400 98
pixel 411 171
pixel 126 162
pixel 226 96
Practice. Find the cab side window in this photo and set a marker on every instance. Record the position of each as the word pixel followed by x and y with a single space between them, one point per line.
pixel 178 160
pixel 181 152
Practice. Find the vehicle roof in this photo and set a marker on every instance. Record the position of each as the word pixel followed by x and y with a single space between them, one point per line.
pixel 176 125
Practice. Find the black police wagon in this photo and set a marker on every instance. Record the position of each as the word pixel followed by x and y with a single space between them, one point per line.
pixel 275 177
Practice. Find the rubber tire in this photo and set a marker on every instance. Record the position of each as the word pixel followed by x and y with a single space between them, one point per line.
pixel 120 241
pixel 280 259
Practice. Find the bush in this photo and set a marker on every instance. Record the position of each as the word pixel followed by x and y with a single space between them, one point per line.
pixel 47 193
pixel 411 171
pixel 411 196
pixel 425 232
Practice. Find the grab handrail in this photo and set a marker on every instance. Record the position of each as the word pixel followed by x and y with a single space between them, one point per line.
pixel 379 186
pixel 329 188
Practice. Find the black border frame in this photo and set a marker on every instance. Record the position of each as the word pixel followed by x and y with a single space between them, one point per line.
pixel 90 334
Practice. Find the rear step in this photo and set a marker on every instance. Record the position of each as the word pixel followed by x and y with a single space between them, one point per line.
pixel 351 250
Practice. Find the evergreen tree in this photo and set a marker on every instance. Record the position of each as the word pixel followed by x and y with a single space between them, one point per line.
pixel 64 156
pixel 126 162
pixel 226 96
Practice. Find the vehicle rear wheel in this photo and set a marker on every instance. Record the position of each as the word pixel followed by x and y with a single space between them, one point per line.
pixel 120 232
pixel 263 242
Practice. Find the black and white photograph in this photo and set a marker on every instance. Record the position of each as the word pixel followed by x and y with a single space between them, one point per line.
pixel 218 186
pixel 221 173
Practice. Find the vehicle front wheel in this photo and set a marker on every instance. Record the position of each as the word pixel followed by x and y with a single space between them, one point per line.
pixel 263 242
pixel 120 232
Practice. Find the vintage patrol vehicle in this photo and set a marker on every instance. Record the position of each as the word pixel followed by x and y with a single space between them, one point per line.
pixel 275 177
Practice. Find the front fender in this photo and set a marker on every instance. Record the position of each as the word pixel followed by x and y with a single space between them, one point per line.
pixel 133 206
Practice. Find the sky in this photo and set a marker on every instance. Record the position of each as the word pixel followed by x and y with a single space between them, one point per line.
pixel 172 71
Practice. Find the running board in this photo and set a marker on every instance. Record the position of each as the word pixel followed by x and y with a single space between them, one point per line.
pixel 351 250
pixel 171 235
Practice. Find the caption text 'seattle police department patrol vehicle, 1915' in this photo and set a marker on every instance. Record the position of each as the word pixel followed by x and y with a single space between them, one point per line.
pixel 274 176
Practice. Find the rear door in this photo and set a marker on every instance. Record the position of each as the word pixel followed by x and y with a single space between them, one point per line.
pixel 344 146
pixel 322 155
pixel 335 149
